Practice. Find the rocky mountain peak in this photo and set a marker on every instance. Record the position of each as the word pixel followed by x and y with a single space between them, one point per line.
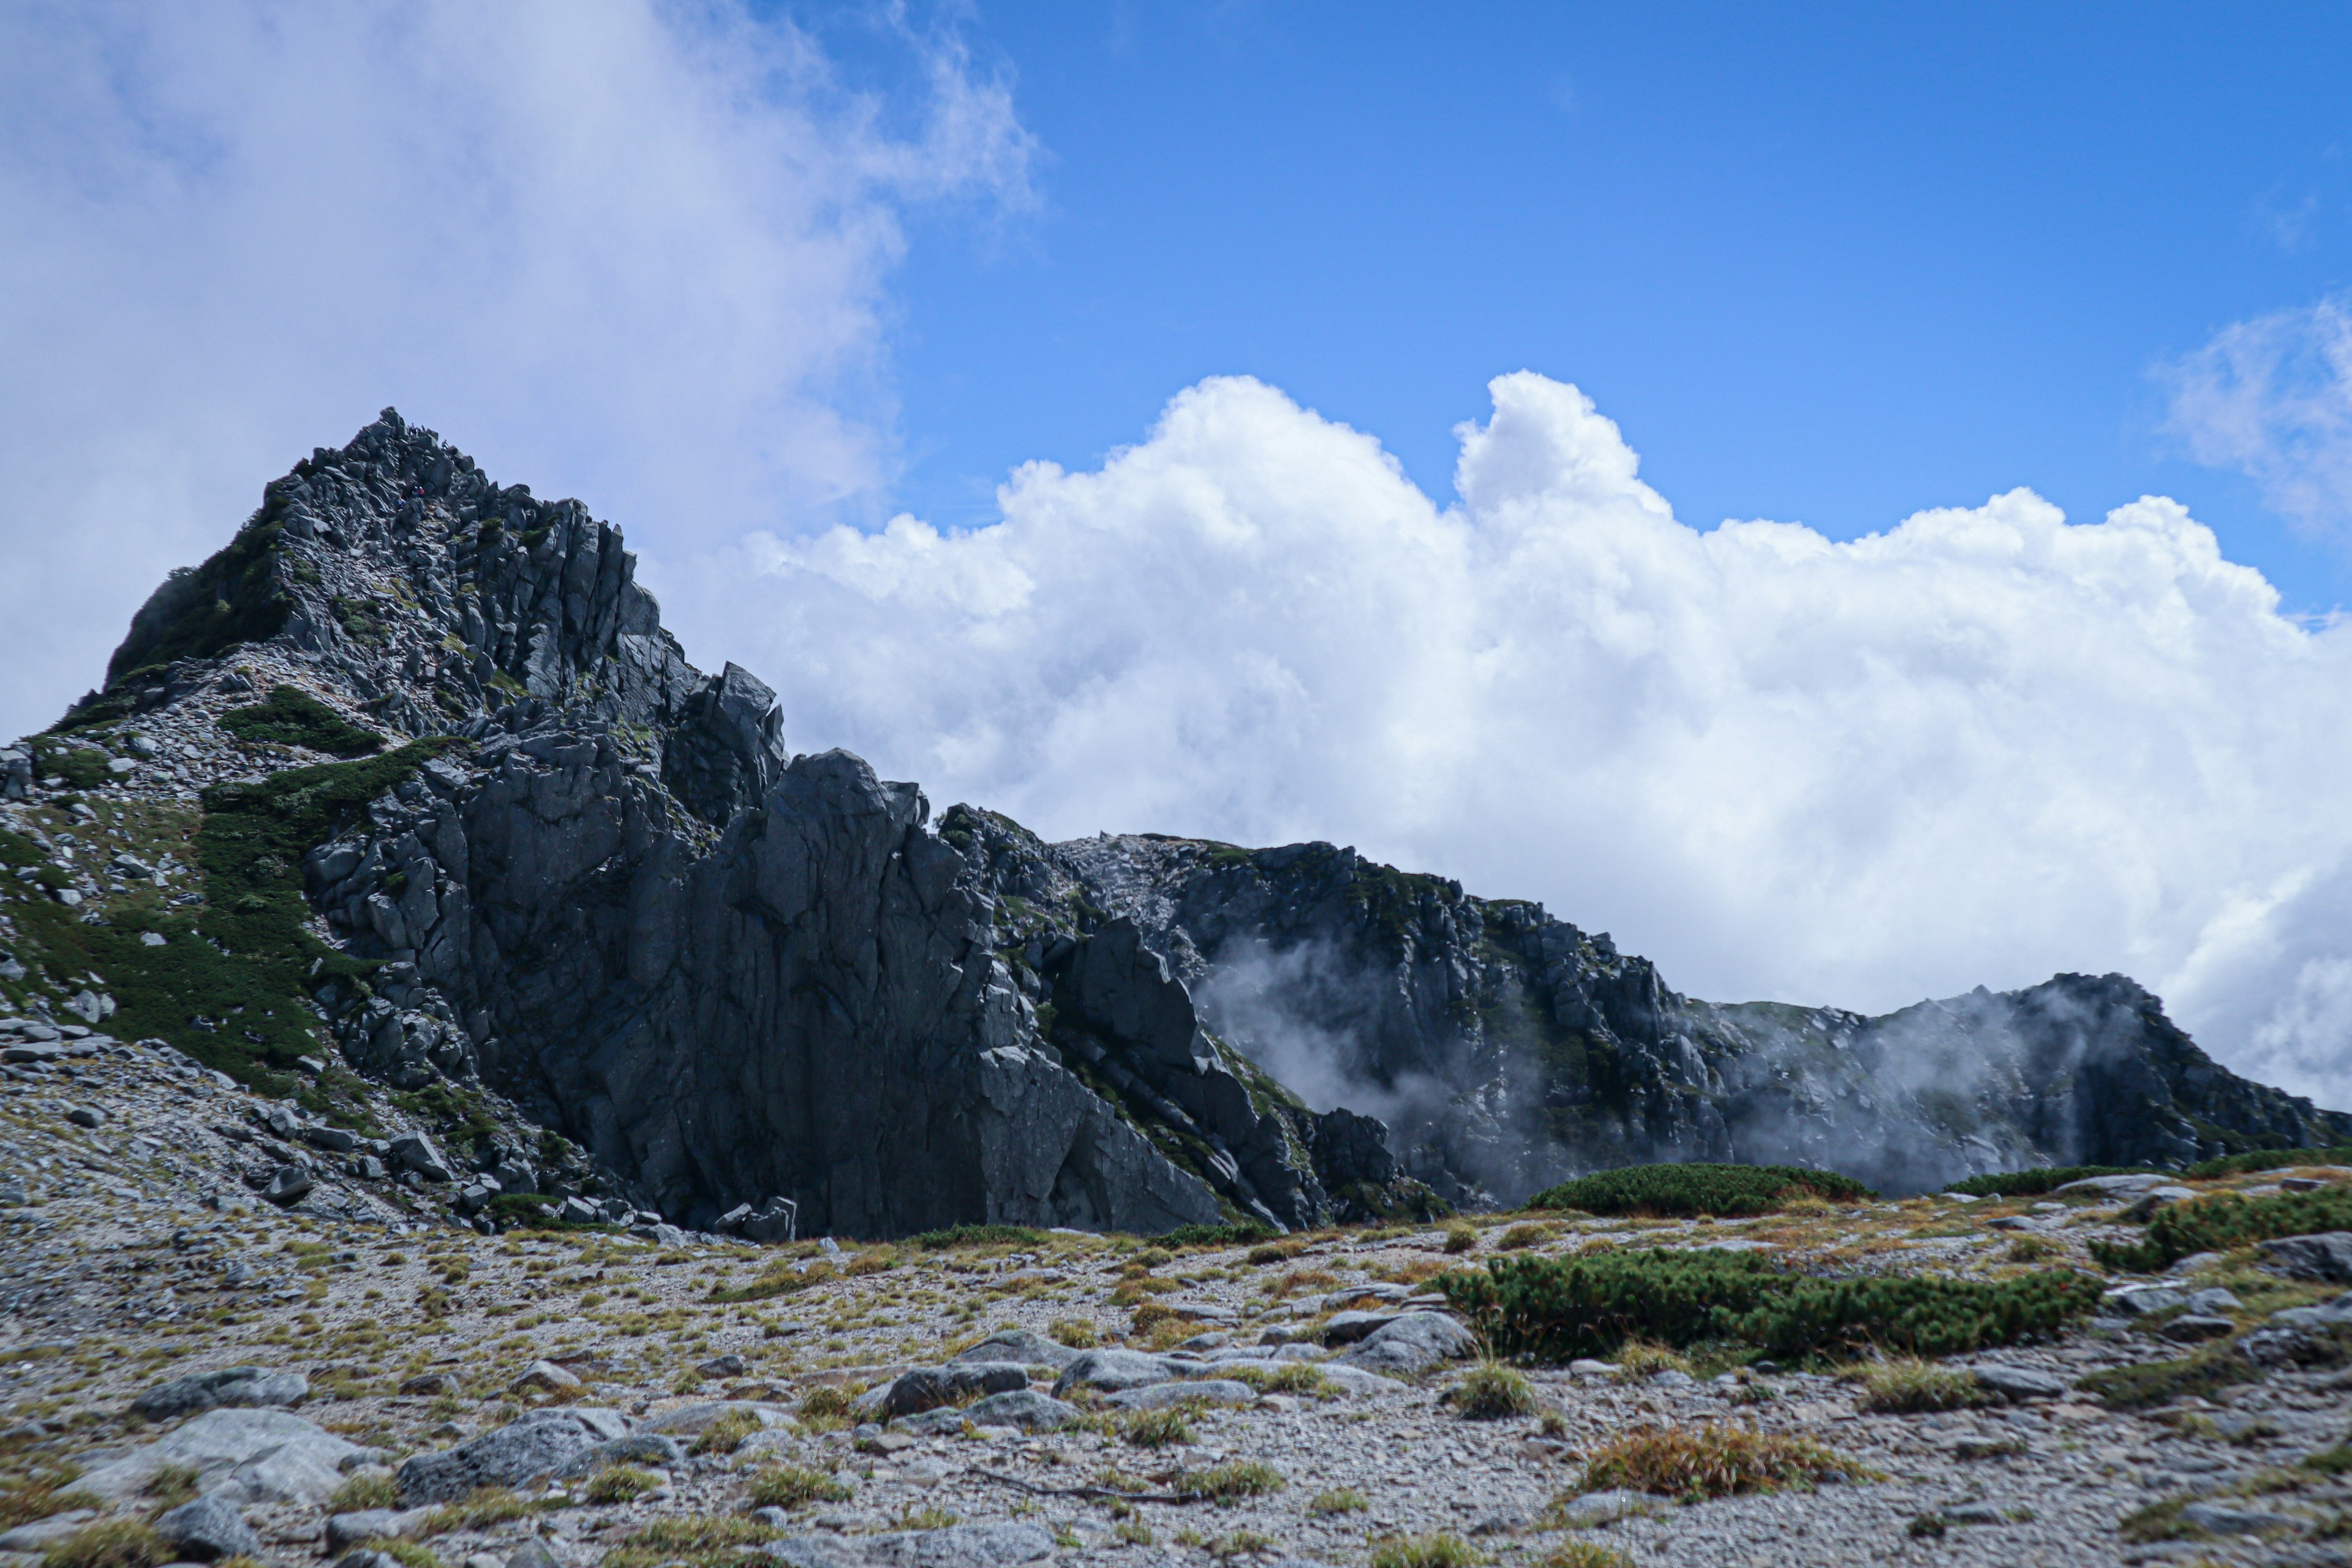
pixel 581 876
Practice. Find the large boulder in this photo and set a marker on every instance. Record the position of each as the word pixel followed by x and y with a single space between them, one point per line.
pixel 247 1386
pixel 1412 1345
pixel 208 1530
pixel 246 1456
pixel 2326 1256
pixel 1200 1391
pixel 541 1444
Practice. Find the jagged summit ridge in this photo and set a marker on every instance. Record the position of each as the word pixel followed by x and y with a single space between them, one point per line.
pixel 614 895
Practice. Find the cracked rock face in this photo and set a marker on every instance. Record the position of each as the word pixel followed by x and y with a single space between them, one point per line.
pixel 769 987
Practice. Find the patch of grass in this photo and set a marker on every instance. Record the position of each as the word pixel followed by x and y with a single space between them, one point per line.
pixel 202 612
pixel 1697 1188
pixel 483 1508
pixel 1583 1554
pixel 1638 1359
pixel 620 1483
pixel 2160 1521
pixel 1492 1393
pixel 1561 1308
pixel 1156 1429
pixel 796 1485
pixel 109 1543
pixel 172 1485
pixel 2030 1249
pixel 726 1435
pixel 2225 1220
pixel 1079 1333
pixel 1339 1500
pixel 826 1409
pixel 40 1492
pixel 2032 1184
pixel 1277 1252
pixel 2335 1461
pixel 1134 1532
pixel 1460 1238
pixel 1908 1386
pixel 2162 1382
pixel 1244 1543
pixel 779 1280
pixel 1695 1463
pixel 1288 1377
pixel 1231 1483
pixel 928 1517
pixel 292 717
pixel 1424 1552
pixel 705 1539
pixel 1522 1236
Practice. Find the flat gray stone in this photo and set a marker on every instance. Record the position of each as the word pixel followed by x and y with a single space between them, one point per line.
pixel 1028 1408
pixel 1020 1347
pixel 1413 1343
pixel 1111 1370
pixel 2191 1328
pixel 247 1456
pixel 43 1533
pixel 2130 1186
pixel 237 1386
pixel 2020 1383
pixel 693 1420
pixel 1202 1391
pixel 1595 1508
pixel 2222 1519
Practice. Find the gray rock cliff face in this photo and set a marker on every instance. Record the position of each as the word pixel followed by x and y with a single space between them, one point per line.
pixel 739 976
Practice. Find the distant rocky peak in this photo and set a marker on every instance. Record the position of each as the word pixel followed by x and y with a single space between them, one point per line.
pixel 436 600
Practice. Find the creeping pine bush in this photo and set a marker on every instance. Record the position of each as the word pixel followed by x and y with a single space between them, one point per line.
pixel 1697 1188
pixel 2224 1220
pixel 1218 1234
pixel 1559 1308
pixel 979 1236
pixel 294 718
pixel 2031 1183
pixel 2269 1160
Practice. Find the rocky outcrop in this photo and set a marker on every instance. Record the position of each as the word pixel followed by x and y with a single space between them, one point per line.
pixel 768 989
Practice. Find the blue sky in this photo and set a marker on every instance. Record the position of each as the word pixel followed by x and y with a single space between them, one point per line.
pixel 1827 264
pixel 1061 405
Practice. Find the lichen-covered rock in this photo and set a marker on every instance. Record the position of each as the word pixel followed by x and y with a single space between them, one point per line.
pixel 247 1387
pixel 541 1444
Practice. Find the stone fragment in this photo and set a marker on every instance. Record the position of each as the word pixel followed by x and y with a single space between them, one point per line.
pixel 2130 1185
pixel 2192 1327
pixel 1028 1408
pixel 545 1378
pixel 1595 1508
pixel 207 1529
pixel 431 1382
pixel 2018 1382
pixel 345 1530
pixel 2145 1206
pixel 244 1386
pixel 1347 1328
pixel 722 1366
pixel 289 1184
pixel 43 1533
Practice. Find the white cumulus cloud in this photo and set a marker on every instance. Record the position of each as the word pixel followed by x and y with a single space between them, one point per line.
pixel 1982 746
pixel 627 250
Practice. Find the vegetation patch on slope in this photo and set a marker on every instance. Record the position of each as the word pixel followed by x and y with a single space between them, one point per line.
pixel 1697 1188
pixel 2225 1220
pixel 1560 1309
pixel 292 717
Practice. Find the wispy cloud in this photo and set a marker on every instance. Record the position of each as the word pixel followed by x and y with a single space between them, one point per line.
pixel 2272 398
